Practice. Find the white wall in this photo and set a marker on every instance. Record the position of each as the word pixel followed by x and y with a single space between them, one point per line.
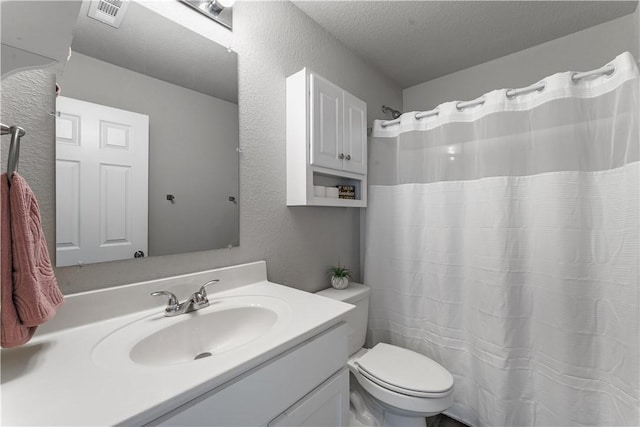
pixel 273 40
pixel 192 145
pixel 585 50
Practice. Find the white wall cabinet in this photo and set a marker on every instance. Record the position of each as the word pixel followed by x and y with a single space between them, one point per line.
pixel 338 127
pixel 326 141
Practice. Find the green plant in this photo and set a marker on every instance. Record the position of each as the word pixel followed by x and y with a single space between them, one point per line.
pixel 339 271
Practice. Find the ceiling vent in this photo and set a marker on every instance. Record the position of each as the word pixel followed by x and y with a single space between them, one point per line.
pixel 110 12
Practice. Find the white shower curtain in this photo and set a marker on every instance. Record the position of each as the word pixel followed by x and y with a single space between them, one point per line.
pixel 502 242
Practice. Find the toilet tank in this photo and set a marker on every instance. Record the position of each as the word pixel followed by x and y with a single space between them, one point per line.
pixel 358 295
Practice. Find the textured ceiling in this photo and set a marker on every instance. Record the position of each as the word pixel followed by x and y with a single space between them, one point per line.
pixel 150 44
pixel 415 41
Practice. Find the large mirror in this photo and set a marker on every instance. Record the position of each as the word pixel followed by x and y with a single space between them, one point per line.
pixel 146 141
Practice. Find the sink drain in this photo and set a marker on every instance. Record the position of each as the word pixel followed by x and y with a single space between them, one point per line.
pixel 202 355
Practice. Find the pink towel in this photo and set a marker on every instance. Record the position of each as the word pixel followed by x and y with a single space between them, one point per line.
pixel 30 293
pixel 13 333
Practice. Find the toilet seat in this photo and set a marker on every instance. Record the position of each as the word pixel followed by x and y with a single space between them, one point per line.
pixel 404 371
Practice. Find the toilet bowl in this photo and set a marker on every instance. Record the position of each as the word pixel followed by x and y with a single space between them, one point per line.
pixel 395 386
pixel 403 382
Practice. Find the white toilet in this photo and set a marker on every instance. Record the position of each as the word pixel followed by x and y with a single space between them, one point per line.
pixel 393 387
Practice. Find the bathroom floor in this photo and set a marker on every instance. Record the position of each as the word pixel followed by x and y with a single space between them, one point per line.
pixel 442 420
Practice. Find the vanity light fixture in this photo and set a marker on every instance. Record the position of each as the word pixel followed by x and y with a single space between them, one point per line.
pixel 218 10
pixel 217 6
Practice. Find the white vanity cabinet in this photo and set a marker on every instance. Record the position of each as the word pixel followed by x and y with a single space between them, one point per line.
pixel 326 141
pixel 278 356
pixel 306 385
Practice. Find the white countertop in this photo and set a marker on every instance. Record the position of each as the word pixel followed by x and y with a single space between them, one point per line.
pixel 54 380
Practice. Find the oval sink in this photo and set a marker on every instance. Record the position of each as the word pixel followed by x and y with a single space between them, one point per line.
pixel 227 325
pixel 212 332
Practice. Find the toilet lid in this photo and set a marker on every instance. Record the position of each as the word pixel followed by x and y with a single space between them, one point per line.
pixel 404 371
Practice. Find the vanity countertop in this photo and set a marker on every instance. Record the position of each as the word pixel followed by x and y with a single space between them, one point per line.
pixel 55 380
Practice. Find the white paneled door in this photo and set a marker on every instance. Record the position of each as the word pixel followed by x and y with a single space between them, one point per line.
pixel 102 171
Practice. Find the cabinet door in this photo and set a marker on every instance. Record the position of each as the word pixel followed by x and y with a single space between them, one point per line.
pixel 326 123
pixel 355 135
pixel 327 405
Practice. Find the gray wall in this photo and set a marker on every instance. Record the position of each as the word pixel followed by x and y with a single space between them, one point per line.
pixel 581 51
pixel 273 40
pixel 27 100
pixel 192 153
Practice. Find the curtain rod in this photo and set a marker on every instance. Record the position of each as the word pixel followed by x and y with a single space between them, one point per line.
pixel 509 93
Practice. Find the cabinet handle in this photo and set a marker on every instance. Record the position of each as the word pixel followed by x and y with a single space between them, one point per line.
pixel 348 157
pixel 341 156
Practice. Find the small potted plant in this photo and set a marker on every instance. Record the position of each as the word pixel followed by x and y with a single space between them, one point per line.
pixel 340 276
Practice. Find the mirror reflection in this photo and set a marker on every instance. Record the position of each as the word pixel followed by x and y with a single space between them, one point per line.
pixel 146 141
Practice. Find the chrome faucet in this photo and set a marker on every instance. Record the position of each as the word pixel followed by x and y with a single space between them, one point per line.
pixel 195 302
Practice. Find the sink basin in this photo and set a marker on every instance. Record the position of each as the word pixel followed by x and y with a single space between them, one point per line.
pixel 227 325
pixel 203 335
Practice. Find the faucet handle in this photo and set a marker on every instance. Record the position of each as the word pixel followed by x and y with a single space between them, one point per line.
pixel 172 304
pixel 203 291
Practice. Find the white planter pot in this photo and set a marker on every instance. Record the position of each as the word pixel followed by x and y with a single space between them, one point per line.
pixel 339 282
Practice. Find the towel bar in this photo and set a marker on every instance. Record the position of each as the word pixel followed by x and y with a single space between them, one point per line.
pixel 16 133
